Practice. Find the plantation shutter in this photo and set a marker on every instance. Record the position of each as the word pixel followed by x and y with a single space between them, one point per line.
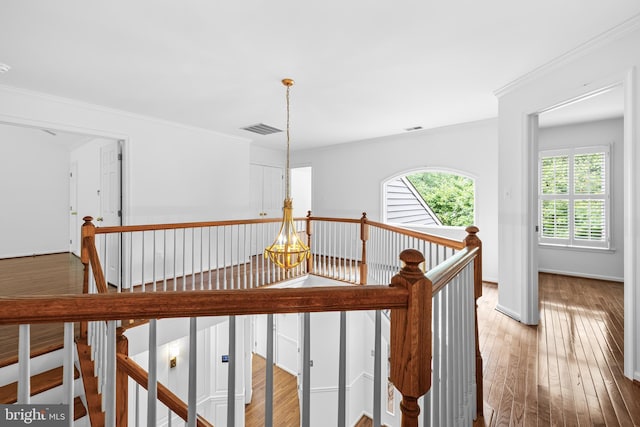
pixel 554 173
pixel 590 188
pixel 574 197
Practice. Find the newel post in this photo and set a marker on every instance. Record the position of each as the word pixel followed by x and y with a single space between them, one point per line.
pixel 472 241
pixel 309 232
pixel 411 337
pixel 88 231
pixel 122 382
pixel 364 236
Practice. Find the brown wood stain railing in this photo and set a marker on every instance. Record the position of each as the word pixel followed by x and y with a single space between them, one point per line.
pixel 166 396
pixel 408 297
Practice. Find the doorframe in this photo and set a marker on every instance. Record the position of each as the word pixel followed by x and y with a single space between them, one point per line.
pixel 530 297
pixel 66 127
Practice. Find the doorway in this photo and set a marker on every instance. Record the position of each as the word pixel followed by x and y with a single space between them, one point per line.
pixel 54 184
pixel 621 243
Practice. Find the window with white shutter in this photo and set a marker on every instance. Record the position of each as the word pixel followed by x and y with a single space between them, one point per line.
pixel 574 197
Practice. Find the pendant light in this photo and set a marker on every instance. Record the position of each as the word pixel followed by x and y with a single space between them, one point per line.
pixel 287 251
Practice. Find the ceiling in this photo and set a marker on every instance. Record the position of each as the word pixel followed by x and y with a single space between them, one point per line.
pixel 363 68
pixel 607 104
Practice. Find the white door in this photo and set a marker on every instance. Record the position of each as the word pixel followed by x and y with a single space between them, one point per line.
pixel 272 191
pixel 267 191
pixel 110 213
pixel 74 228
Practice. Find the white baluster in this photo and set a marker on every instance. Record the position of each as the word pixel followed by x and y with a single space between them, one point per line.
pixel 110 375
pixel 67 369
pixel 24 364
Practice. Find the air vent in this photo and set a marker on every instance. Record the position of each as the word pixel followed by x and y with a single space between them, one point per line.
pixel 413 128
pixel 262 129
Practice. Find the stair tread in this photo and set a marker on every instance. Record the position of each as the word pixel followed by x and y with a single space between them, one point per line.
pixel 39 383
pixel 79 409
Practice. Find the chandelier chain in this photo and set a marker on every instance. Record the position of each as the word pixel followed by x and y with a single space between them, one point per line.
pixel 287 178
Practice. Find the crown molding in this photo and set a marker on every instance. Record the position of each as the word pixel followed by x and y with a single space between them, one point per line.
pixel 592 44
pixel 109 110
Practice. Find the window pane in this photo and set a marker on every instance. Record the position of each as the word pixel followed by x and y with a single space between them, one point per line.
pixel 589 173
pixel 555 219
pixel 449 196
pixel 589 220
pixel 555 175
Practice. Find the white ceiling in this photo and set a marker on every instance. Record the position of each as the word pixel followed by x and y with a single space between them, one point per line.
pixel 363 68
pixel 603 105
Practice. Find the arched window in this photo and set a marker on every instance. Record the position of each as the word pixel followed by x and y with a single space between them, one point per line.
pixel 430 198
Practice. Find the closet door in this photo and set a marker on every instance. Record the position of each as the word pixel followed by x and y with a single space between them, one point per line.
pixel 267 191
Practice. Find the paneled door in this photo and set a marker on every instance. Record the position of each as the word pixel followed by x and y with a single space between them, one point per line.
pixel 74 227
pixel 110 207
pixel 267 190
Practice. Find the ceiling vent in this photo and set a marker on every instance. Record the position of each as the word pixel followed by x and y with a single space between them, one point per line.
pixel 262 129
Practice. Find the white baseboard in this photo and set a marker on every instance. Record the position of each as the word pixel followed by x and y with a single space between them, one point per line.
pixel 502 309
pixel 579 274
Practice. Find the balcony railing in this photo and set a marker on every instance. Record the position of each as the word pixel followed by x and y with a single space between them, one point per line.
pixel 195 270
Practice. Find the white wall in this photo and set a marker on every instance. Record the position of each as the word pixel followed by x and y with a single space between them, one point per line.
pixel 34 172
pixel 611 59
pixel 347 178
pixel 212 373
pixel 592 263
pixel 171 172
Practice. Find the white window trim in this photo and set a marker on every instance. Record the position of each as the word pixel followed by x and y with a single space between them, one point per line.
pixel 571 242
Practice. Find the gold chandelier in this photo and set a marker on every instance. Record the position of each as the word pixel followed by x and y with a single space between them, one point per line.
pixel 287 251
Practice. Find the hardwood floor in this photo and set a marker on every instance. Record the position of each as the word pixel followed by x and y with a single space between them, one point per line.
pixel 286 406
pixel 566 371
pixel 37 275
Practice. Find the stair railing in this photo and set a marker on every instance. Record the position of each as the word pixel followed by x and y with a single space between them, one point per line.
pixel 354 251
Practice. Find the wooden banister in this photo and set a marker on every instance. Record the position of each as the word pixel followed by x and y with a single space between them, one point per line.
pixel 364 236
pixel 472 241
pixel 88 232
pixel 444 272
pixel 157 305
pixel 170 400
pixel 89 256
pixel 122 382
pixel 450 243
pixel 411 337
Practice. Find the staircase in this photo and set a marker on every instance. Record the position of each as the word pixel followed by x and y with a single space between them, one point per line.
pixel 46 384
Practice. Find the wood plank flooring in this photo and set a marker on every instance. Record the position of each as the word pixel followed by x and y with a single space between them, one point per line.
pixel 38 275
pixel 286 406
pixel 566 371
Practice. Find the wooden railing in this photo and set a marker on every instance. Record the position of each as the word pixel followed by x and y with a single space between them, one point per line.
pixel 229 254
pixel 353 251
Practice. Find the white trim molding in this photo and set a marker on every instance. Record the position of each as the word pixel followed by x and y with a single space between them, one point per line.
pixel 600 40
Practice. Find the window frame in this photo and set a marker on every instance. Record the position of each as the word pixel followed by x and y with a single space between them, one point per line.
pixel 572 197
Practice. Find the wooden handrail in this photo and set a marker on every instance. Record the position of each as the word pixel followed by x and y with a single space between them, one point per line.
pixel 444 272
pixel 157 305
pixel 454 244
pixel 98 274
pixel 328 219
pixel 179 225
pixel 169 399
